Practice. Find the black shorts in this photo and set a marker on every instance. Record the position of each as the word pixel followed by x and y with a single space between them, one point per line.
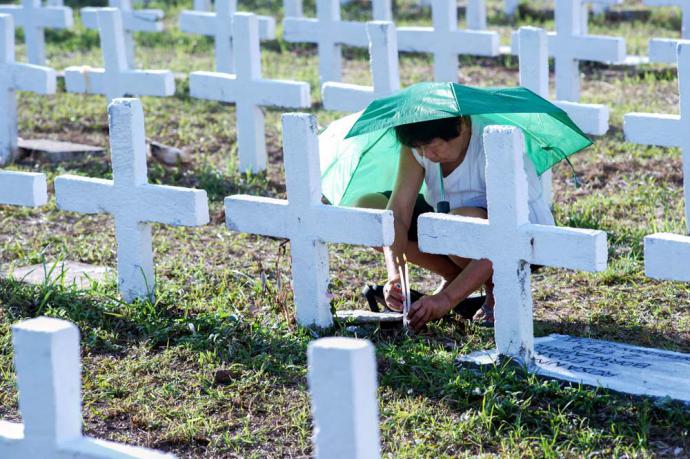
pixel 420 207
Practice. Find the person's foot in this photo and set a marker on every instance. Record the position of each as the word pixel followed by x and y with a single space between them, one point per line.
pixel 374 296
pixel 485 316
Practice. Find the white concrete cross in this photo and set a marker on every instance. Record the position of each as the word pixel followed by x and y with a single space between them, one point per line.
pixel 344 399
pixel 383 60
pixel 510 7
pixel 220 26
pixel 308 223
pixel 664 49
pixel 249 91
pixel 27 189
pixel 202 5
pixel 329 32
pixel 445 41
pixel 117 79
pixel 131 200
pixel 666 256
pixel 34 18
pixel 511 242
pixel 46 358
pixel 668 130
pixel 148 20
pixel 16 77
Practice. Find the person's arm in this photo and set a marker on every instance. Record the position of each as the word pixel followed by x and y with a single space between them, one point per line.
pixel 403 198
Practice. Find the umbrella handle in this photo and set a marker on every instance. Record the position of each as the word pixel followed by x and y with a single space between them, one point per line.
pixel 443 207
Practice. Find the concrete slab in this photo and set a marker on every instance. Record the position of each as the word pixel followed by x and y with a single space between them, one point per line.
pixel 75 273
pixel 56 151
pixel 619 367
pixel 364 317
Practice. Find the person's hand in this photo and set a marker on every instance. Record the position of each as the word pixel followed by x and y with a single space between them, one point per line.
pixel 428 308
pixel 392 293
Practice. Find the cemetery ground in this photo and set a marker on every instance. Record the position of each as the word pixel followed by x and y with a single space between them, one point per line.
pixel 216 367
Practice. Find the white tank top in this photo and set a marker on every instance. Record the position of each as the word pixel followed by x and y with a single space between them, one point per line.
pixel 466 185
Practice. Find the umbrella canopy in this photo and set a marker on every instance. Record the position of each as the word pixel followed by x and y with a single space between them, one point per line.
pixel 359 153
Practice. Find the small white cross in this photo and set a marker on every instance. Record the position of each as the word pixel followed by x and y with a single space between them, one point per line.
pixel 46 358
pixel 345 425
pixel 34 18
pixel 133 20
pixel 445 41
pixel 510 241
pixel 307 222
pixel 330 33
pixel 202 5
pixel 383 52
pixel 117 79
pixel 14 77
pixel 664 49
pixel 220 26
pixel 131 200
pixel 668 130
pixel 27 189
pixel 249 91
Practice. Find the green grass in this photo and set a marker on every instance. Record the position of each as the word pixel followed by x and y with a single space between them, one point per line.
pixel 224 303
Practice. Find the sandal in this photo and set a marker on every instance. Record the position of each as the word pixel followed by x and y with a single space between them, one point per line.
pixel 374 296
pixel 486 317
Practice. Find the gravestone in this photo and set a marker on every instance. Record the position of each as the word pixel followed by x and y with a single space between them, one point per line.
pixel 220 26
pixel 307 222
pixel 27 189
pixel 131 200
pixel 148 20
pixel 570 44
pixel 47 363
pixel 329 32
pixel 668 130
pixel 16 77
pixel 66 272
pixel 55 151
pixel 663 50
pixel 510 242
pixel 34 19
pixel 445 41
pixel 249 91
pixel 117 79
pixel 383 60
pixel 344 399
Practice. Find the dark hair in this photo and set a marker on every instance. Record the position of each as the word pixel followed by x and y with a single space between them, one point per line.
pixel 416 134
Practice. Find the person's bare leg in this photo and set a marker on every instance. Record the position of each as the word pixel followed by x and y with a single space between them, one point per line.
pixel 438 264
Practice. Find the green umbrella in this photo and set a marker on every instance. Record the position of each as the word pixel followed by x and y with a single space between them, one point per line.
pixel 359 153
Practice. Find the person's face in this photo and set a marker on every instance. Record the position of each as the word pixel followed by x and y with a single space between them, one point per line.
pixel 441 151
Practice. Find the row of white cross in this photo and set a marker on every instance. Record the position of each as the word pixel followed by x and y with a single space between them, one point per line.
pixel 48 369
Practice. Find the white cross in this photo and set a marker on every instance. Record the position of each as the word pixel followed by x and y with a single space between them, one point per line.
pixel 668 130
pixel 383 59
pixel 345 425
pixel 23 189
pixel 666 256
pixel 131 200
pixel 445 41
pixel 510 7
pixel 664 49
pixel 510 241
pixel 475 14
pixel 117 79
pixel 48 368
pixel 14 77
pixel 249 91
pixel 133 21
pixel 34 18
pixel 307 222
pixel 202 5
pixel 330 33
pixel 220 26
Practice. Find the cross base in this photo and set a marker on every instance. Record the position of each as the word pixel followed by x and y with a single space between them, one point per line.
pixel 619 367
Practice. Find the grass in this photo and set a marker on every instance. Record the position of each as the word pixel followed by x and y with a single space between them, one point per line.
pixel 223 299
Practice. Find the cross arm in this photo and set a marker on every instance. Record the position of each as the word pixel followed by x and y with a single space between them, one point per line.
pixel 590 47
pixel 666 256
pixel 308 30
pixel 258 215
pixel 23 188
pixel 59 17
pixel 591 118
pixel 172 205
pixel 425 39
pixel 83 194
pixel 346 97
pixel 652 129
pixel 226 88
pixel 663 50
pixel 35 78
pixel 345 225
pixel 454 235
pixel 135 20
pixel 571 248
pixel 198 22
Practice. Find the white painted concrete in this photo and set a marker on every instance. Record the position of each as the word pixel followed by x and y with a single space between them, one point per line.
pixel 16 77
pixel 511 242
pixel 34 18
pixel 663 50
pixel 666 256
pixel 131 200
pixel 219 25
pixel 47 362
pixel 343 388
pixel 307 222
pixel 249 91
pixel 117 78
pixel 27 189
pixel 383 60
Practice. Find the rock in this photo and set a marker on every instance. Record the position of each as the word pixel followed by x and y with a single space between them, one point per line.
pixel 168 155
